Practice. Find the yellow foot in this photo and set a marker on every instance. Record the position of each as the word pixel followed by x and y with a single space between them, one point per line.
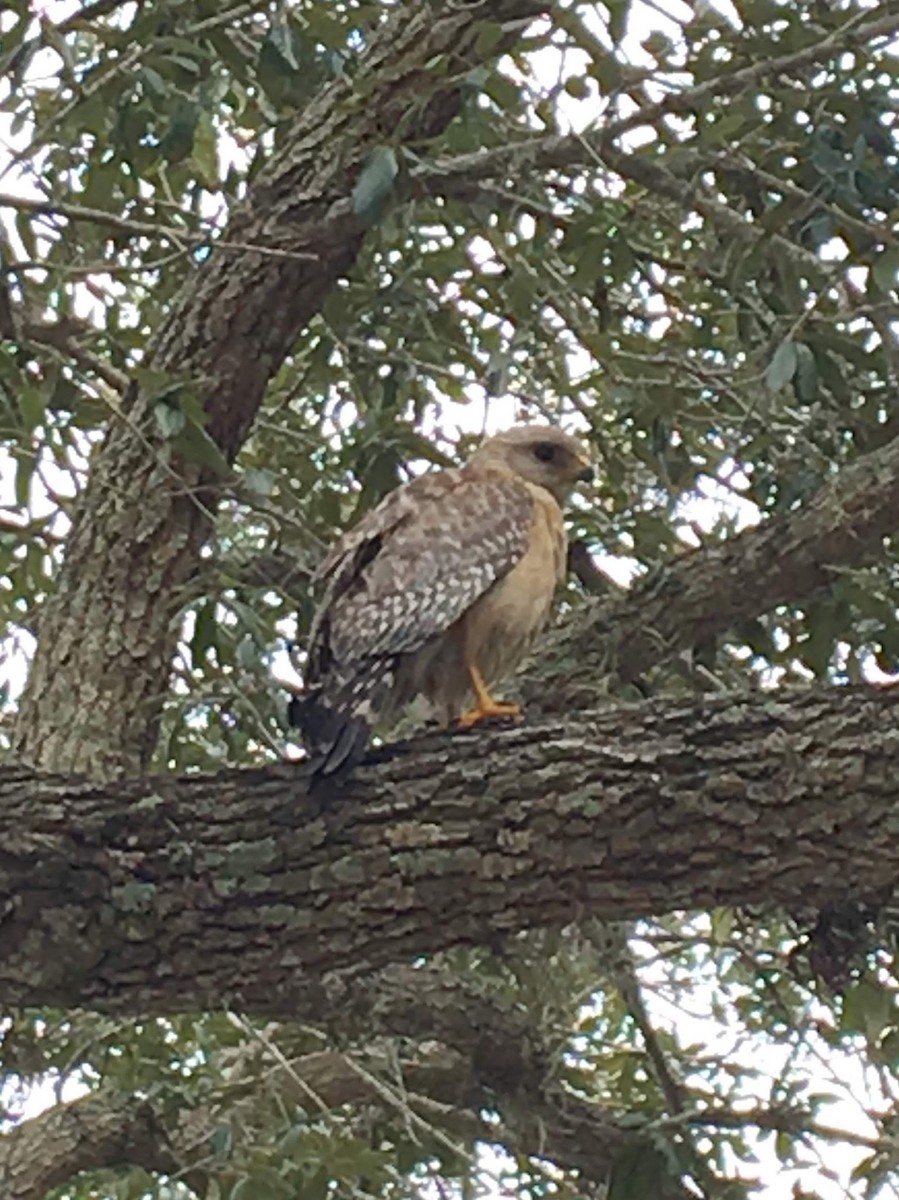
pixel 485 706
pixel 483 712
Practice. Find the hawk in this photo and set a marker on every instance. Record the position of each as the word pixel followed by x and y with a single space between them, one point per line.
pixel 439 591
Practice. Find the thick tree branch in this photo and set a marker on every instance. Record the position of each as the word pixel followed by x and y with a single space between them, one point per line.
pixel 107 633
pixel 88 1134
pixel 161 895
pixel 112 895
pixel 707 592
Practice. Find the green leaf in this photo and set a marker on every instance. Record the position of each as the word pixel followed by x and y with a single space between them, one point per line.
pixel 281 38
pixel 205 633
pixel 640 1171
pixel 178 140
pixel 504 92
pixel 886 269
pixel 489 37
pixel 251 620
pixel 782 366
pixel 170 418
pixel 474 80
pixel 722 923
pixel 25 465
pixel 25 230
pixel 805 378
pixel 246 655
pixel 824 629
pixel 205 152
pixel 868 1008
pixel 195 445
pixel 156 385
pixel 154 82
pixel 220 1141
pixel 259 480
pixel 722 126
pixel 375 184
pixel 32 406
pixel 607 72
pixel 784 1147
pixel 619 12
pixel 577 87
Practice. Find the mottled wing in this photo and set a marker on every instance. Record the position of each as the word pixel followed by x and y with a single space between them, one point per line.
pixel 396 581
pixel 343 568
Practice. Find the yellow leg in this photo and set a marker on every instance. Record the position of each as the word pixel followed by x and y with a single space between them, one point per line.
pixel 484 704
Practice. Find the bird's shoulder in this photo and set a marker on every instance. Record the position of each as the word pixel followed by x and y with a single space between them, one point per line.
pixel 395 508
pixel 428 501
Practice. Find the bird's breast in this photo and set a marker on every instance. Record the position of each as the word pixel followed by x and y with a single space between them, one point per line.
pixel 501 625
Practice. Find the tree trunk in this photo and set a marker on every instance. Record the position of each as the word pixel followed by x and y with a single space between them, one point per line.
pixel 107 633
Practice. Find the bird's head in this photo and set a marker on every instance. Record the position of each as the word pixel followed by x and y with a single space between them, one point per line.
pixel 541 454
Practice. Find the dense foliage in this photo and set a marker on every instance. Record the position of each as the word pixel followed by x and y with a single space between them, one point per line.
pixel 673 230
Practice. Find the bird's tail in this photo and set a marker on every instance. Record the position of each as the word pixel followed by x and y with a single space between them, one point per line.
pixel 336 718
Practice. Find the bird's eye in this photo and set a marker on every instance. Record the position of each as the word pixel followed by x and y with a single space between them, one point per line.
pixel 545 451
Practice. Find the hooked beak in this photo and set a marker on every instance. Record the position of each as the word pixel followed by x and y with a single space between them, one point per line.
pixel 587 473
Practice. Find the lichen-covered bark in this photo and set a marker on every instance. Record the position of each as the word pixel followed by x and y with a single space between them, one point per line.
pixel 161 895
pixel 708 592
pixel 94 1132
pixel 107 633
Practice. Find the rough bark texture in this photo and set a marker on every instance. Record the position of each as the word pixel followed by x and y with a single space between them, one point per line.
pixel 160 895
pixel 44 1152
pixel 171 894
pixel 708 592
pixel 107 633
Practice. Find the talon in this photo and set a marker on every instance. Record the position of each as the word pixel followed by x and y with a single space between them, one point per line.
pixel 474 716
pixel 485 706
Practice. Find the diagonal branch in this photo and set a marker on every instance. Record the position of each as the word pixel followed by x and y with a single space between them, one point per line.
pixel 463 175
pixel 707 593
pixel 857 33
pixel 46 1151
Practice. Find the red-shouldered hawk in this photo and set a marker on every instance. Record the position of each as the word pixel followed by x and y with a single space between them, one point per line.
pixel 439 591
